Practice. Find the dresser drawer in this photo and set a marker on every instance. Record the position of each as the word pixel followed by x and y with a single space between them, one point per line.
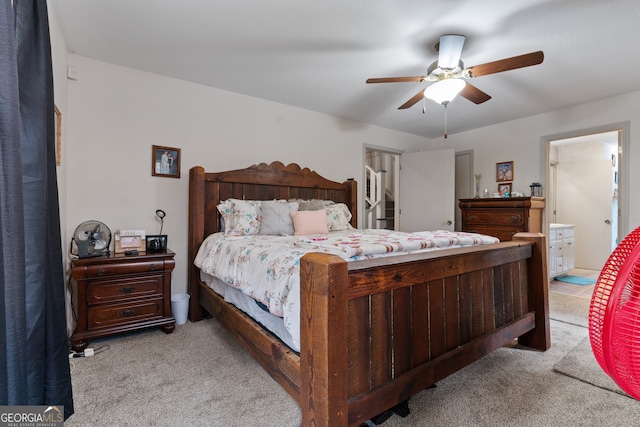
pixel 496 216
pixel 102 270
pixel 114 290
pixel 122 314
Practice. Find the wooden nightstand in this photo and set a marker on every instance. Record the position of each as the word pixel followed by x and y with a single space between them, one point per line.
pixel 119 293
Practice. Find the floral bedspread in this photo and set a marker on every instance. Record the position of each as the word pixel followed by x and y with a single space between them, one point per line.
pixel 267 267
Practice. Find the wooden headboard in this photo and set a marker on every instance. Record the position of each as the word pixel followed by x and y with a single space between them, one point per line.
pixel 257 182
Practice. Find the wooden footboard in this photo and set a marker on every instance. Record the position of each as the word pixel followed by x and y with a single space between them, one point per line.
pixel 376 332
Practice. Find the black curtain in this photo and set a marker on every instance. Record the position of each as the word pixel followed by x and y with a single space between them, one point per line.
pixel 34 364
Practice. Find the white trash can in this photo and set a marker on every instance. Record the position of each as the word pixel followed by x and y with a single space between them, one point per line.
pixel 180 307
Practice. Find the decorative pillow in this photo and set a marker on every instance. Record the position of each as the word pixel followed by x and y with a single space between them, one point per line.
pixel 276 219
pixel 309 222
pixel 338 217
pixel 241 217
pixel 311 205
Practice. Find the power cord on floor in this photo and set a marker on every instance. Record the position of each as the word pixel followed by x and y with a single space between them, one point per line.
pixel 88 352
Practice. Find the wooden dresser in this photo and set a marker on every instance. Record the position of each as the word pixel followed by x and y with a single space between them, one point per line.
pixel 502 217
pixel 119 293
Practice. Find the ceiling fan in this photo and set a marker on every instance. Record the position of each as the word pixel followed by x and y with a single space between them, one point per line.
pixel 449 74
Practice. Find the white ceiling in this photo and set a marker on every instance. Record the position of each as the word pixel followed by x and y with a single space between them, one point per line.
pixel 317 55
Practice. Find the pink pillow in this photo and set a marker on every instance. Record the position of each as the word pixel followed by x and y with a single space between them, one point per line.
pixel 309 222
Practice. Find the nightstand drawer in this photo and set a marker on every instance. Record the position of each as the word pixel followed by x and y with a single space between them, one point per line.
pixel 103 291
pixel 123 268
pixel 508 217
pixel 122 314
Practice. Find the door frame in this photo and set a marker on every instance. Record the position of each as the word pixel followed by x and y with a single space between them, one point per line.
pixel 624 142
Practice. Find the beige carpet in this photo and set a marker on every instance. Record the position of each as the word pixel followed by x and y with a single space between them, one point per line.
pixel 569 309
pixel 581 364
pixel 199 376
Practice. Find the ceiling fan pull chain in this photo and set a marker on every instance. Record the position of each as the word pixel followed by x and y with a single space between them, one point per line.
pixel 424 105
pixel 445 119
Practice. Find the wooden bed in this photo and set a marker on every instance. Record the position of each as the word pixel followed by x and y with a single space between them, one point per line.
pixel 374 332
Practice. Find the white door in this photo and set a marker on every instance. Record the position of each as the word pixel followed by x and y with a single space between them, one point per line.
pixel 427 187
pixel 584 199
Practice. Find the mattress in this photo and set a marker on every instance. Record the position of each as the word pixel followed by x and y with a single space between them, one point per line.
pixel 250 306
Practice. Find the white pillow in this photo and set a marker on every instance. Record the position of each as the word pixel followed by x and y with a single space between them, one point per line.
pixel 276 218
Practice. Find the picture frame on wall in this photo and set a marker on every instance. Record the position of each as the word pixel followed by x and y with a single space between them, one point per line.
pixel 504 171
pixel 504 189
pixel 165 161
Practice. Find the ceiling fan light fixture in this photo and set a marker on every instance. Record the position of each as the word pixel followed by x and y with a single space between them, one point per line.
pixel 444 91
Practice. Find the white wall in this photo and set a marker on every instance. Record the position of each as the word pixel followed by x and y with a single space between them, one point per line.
pixel 116 114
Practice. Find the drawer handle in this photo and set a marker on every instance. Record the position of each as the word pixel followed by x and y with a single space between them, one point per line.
pixel 471 218
pixel 152 267
pixel 515 218
pixel 100 272
pixel 127 313
pixel 127 289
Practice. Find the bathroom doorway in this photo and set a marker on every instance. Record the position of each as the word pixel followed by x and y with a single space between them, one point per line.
pixel 585 180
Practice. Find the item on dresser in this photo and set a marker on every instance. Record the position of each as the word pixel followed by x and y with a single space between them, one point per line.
pixel 370 337
pixel 129 240
pixel 120 293
pixel 502 217
pixel 90 239
pixel 536 189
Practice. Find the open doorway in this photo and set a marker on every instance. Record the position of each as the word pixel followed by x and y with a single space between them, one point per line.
pixel 381 208
pixel 585 181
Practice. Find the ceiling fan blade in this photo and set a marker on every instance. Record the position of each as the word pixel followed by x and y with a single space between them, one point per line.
pixel 449 51
pixel 474 94
pixel 417 79
pixel 515 62
pixel 410 103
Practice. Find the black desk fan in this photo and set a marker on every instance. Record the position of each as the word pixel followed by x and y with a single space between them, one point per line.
pixel 90 239
pixel 614 316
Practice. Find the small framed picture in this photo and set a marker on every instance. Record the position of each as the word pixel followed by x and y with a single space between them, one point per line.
pixel 504 171
pixel 156 243
pixel 127 240
pixel 165 161
pixel 504 189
